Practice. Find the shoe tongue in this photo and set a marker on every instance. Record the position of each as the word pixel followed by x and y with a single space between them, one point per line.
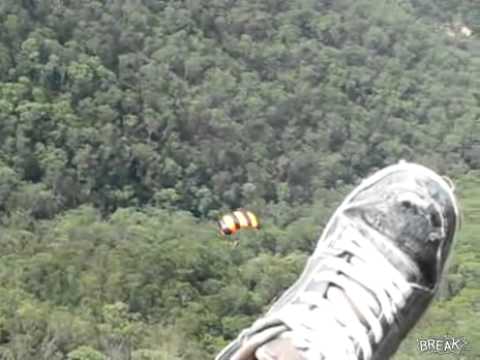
pixel 401 228
pixel 401 261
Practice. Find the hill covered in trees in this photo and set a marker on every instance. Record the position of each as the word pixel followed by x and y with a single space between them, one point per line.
pixel 127 126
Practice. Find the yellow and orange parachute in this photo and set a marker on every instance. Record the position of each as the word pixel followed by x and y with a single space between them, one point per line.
pixel 229 224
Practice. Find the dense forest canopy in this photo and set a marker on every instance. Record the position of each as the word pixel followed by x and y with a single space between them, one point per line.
pixel 127 126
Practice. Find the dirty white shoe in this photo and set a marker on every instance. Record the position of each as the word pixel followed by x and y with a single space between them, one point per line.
pixel 372 275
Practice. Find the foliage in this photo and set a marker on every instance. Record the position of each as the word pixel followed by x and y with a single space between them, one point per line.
pixel 126 127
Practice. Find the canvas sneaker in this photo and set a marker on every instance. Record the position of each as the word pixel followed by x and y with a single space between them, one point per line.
pixel 374 272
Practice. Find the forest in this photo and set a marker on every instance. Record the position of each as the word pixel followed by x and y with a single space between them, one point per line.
pixel 127 127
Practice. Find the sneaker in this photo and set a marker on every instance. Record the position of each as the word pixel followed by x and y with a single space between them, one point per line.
pixel 374 272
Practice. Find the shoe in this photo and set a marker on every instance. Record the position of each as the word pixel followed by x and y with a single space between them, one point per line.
pixel 374 272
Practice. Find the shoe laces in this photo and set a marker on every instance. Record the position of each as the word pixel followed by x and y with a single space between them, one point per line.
pixel 362 294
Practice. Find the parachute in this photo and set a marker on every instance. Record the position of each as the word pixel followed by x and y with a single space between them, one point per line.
pixel 229 224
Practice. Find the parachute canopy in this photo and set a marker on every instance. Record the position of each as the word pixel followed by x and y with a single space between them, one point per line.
pixel 230 223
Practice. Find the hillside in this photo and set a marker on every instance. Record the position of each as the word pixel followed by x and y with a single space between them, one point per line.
pixel 127 127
